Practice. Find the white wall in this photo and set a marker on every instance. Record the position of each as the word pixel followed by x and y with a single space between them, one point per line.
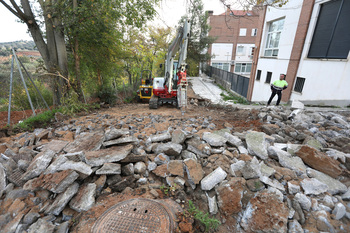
pixel 245 57
pixel 326 81
pixel 291 13
pixel 222 52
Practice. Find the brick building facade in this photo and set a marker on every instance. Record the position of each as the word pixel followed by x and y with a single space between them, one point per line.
pixel 235 33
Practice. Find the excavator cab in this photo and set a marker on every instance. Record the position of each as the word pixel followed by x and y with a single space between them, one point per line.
pixel 145 90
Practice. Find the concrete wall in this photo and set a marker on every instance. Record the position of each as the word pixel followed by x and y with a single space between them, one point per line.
pixel 291 13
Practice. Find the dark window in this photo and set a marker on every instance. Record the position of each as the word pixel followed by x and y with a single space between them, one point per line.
pixel 268 77
pixel 331 38
pixel 299 84
pixel 258 75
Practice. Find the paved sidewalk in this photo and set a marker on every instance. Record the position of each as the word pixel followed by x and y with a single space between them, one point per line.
pixel 206 88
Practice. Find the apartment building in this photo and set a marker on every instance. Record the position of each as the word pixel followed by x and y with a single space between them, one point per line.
pixel 309 41
pixel 234 47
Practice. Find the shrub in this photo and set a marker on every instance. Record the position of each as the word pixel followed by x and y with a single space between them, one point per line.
pixel 107 94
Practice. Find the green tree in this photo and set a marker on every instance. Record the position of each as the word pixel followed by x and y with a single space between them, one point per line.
pixel 199 40
pixel 145 49
pixel 94 27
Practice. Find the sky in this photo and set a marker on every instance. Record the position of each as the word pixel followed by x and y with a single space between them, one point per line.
pixel 169 13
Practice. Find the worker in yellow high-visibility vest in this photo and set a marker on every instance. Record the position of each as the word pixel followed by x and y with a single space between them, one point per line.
pixel 277 87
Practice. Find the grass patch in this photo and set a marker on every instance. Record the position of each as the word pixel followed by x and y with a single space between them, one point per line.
pixel 46 118
pixel 235 99
pixel 41 120
pixel 209 223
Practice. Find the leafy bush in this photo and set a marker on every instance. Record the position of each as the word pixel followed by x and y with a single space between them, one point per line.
pixel 71 104
pixel 107 95
pixel 20 98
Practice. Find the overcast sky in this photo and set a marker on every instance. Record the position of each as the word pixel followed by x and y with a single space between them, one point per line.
pixel 169 14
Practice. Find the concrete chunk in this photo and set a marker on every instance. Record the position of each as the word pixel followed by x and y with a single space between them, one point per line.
pixel 214 178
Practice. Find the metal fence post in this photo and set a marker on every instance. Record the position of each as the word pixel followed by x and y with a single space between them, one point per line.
pixel 24 83
pixel 42 98
pixel 10 97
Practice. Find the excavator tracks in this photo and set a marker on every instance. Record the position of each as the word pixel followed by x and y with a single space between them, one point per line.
pixel 153 102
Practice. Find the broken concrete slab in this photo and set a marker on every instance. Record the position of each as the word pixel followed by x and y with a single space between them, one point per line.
pixel 39 164
pixel 86 142
pixel 113 154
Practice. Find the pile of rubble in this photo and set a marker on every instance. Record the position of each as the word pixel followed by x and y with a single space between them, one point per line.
pixel 290 177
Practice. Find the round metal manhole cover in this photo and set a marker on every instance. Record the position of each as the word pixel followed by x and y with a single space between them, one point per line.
pixel 135 215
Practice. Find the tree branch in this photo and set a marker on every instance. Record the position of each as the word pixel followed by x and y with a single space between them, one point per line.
pixel 11 10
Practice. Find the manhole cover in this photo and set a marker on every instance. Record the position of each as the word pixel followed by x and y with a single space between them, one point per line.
pixel 137 215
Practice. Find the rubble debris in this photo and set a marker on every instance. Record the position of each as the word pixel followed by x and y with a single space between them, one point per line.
pixel 289 175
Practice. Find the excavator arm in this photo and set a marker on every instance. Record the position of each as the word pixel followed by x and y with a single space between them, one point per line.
pixel 178 45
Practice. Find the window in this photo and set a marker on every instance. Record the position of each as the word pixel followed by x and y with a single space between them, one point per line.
pixel 258 75
pixel 299 84
pixel 240 50
pixel 242 32
pixel 273 38
pixel 254 31
pixel 268 77
pixel 222 66
pixel 243 67
pixel 251 54
pixel 331 37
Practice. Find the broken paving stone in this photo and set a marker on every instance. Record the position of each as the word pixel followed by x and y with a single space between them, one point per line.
pixel 303 200
pixel 2 178
pixel 42 226
pixel 178 136
pixel 339 211
pixel 265 213
pixel 236 167
pixel 140 168
pixel 113 154
pixel 251 169
pixel 257 144
pixel 84 199
pixel 55 145
pixel 288 161
pixel 194 171
pixel 214 178
pixel 319 161
pixel 63 163
pixel 161 171
pixel 255 185
pixel 109 169
pixel 161 159
pixel 230 194
pixel 160 137
pixel 86 142
pixel 114 133
pixel 38 165
pixel 334 186
pixel 213 207
pixel 170 149
pixel 176 167
pixel 273 183
pixel 313 186
pixel 62 200
pixel 293 188
pixel 119 141
pixel 214 139
pixel 54 182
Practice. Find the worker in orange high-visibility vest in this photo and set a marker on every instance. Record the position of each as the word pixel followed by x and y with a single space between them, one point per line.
pixel 276 88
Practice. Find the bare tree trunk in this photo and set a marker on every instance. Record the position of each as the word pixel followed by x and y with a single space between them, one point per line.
pixel 78 87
